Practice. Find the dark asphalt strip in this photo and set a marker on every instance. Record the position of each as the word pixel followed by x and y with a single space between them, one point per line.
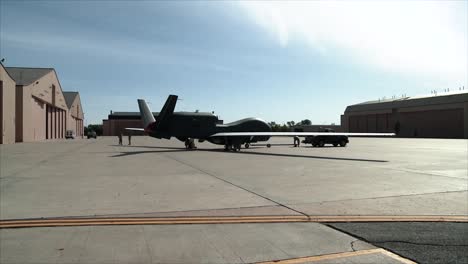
pixel 423 242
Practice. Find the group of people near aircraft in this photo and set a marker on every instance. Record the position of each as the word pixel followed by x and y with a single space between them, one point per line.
pixel 120 136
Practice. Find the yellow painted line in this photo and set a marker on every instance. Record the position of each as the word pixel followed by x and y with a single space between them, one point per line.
pixel 323 257
pixel 340 255
pixel 143 223
pixel 146 222
pixel 219 220
pixel 189 218
pixel 165 219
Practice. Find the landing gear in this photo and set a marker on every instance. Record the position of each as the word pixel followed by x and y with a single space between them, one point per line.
pixel 247 145
pixel 235 147
pixel 190 144
pixel 343 143
pixel 268 145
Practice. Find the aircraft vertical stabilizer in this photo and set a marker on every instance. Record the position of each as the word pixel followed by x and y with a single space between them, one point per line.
pixel 166 112
pixel 146 115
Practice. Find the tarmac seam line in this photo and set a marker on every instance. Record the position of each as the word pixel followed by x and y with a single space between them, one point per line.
pixel 238 186
pixel 149 214
pixel 426 173
pixel 381 197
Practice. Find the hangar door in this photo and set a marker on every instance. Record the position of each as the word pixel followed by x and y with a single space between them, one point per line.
pixel 435 123
pixel 55 119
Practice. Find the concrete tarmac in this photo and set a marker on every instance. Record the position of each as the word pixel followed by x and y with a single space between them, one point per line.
pixel 371 176
pixel 245 243
pixel 368 177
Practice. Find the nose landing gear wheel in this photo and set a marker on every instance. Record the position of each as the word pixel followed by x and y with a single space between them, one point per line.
pixel 268 145
pixel 247 145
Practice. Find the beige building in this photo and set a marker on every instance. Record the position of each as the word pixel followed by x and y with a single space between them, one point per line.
pixel 7 107
pixel 75 113
pixel 34 106
pixel 435 116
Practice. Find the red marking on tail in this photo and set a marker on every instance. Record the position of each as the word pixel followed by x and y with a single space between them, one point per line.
pixel 151 127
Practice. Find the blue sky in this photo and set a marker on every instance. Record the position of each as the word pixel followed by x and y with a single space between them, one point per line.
pixel 279 61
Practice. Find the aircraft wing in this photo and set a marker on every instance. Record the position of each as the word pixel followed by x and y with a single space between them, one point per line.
pixel 300 134
pixel 135 129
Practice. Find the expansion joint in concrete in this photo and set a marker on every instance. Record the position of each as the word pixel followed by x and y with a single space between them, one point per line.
pixel 238 186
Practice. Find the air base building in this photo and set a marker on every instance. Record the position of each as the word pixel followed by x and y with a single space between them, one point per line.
pixel 34 106
pixel 433 116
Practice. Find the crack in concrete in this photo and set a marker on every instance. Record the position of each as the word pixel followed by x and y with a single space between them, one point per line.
pixel 148 248
pixel 352 244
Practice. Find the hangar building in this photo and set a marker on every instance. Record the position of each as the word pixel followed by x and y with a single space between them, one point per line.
pixel 75 113
pixel 34 106
pixel 432 116
pixel 7 106
pixel 116 122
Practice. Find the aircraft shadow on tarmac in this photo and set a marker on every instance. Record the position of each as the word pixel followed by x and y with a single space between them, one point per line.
pixel 175 149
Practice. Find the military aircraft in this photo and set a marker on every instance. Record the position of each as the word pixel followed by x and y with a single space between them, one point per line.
pixel 187 126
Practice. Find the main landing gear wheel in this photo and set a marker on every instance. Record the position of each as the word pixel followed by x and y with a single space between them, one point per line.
pixel 190 144
pixel 247 145
pixel 268 145
pixel 343 143
pixel 237 147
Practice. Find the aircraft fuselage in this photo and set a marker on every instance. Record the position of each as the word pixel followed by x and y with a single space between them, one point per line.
pixel 184 125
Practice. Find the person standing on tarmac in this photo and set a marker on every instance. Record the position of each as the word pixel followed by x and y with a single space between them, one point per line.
pixel 120 138
pixel 297 141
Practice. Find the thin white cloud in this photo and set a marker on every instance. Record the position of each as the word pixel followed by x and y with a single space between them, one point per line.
pixel 116 49
pixel 419 37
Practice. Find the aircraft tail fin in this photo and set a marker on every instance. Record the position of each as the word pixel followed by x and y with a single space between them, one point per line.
pixel 166 111
pixel 146 115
